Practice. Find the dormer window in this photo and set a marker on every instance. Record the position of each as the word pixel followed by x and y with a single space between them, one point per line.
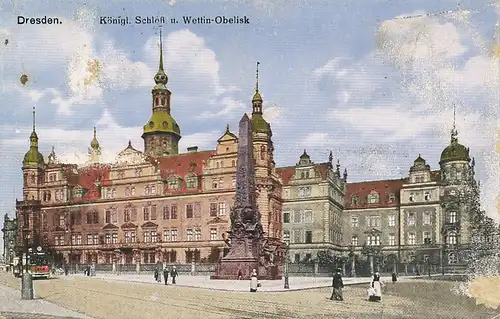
pixel 355 200
pixel 191 181
pixel 173 183
pixel 392 198
pixel 373 198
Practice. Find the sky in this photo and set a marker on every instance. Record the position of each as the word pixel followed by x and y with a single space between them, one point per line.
pixel 348 76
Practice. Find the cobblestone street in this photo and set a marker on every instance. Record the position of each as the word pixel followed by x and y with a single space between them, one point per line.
pixel 99 298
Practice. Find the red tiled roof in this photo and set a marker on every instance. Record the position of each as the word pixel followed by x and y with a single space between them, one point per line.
pixel 363 189
pixel 286 173
pixel 182 165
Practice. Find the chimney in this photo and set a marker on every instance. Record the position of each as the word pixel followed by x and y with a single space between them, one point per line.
pixel 192 149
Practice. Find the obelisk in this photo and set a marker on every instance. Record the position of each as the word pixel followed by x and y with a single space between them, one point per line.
pixel 246 230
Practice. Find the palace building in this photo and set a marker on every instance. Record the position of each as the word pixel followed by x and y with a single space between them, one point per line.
pixel 163 205
pixel 156 205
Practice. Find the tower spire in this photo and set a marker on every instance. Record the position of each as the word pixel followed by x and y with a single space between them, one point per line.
pixel 34 118
pixel 257 79
pixel 161 52
pixel 454 132
pixel 161 78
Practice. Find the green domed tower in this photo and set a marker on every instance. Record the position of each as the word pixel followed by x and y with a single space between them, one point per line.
pixel 33 165
pixel 161 132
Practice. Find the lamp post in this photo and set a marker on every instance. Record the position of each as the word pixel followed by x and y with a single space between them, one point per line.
pixel 287 247
pixel 27 279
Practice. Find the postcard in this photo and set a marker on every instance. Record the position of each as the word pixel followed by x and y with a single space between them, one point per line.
pixel 250 159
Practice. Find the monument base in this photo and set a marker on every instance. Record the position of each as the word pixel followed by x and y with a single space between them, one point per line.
pixel 228 269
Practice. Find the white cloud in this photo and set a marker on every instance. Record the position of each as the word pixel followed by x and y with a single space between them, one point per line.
pixel 315 140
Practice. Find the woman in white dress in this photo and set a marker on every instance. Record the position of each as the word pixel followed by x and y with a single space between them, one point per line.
pixel 376 288
pixel 254 282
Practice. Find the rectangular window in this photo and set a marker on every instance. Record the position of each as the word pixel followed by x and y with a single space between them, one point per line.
pixel 147 237
pixel 166 235
pixel 114 216
pixel 297 217
pixel 154 237
pixel 392 220
pixel 354 221
pixel 107 216
pixel 132 237
pixel 197 234
pixel 62 221
pixel 427 218
pixel 411 219
pixel 297 258
pixel 392 240
pixel 213 209
pixel 354 241
pixel 127 237
pixel 309 235
pixel 96 239
pixel 173 212
pixel 427 237
pixel 96 217
pixel 114 238
pixel 197 210
pixel 90 239
pixel 166 212
pixel 427 196
pixel 213 233
pixel 173 234
pixel 73 239
pixel 153 190
pixel 411 239
pixel 189 211
pixel 146 212
pixel 189 234
pixel 297 236
pixel 222 209
pixel 108 239
pixel 153 212
pixel 452 217
pixel 126 214
pixel 286 218
pixel 308 216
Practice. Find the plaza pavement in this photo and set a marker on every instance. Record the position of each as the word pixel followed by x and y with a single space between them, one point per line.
pixel 12 306
pixel 99 298
pixel 204 282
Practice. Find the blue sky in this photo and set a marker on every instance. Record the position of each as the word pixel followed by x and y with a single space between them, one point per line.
pixel 333 74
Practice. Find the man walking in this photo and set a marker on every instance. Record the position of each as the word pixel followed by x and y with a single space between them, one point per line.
pixel 337 285
pixel 173 274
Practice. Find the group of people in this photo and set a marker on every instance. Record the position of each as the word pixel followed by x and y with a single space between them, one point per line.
pixel 173 273
pixel 374 291
pixel 89 270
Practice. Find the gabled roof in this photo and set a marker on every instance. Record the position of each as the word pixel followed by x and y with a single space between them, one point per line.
pixel 286 173
pixel 128 225
pixel 110 226
pixel 149 224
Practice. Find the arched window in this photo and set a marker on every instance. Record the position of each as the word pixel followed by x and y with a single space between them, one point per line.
pixel 355 200
pixel 233 163
pixel 373 198
pixel 262 152
pixel 452 238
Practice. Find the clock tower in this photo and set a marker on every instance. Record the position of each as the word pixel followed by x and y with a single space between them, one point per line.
pixel 161 132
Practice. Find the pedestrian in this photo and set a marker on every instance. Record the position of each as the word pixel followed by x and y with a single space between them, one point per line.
pixel 156 274
pixel 394 278
pixel 66 269
pixel 240 274
pixel 376 288
pixel 173 274
pixel 337 285
pixel 92 270
pixel 254 281
pixel 165 275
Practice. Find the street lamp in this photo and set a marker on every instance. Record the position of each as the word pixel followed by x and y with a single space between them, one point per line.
pixel 287 246
pixel 27 279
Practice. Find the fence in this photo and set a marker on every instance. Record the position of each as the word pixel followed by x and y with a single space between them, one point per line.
pixel 294 269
